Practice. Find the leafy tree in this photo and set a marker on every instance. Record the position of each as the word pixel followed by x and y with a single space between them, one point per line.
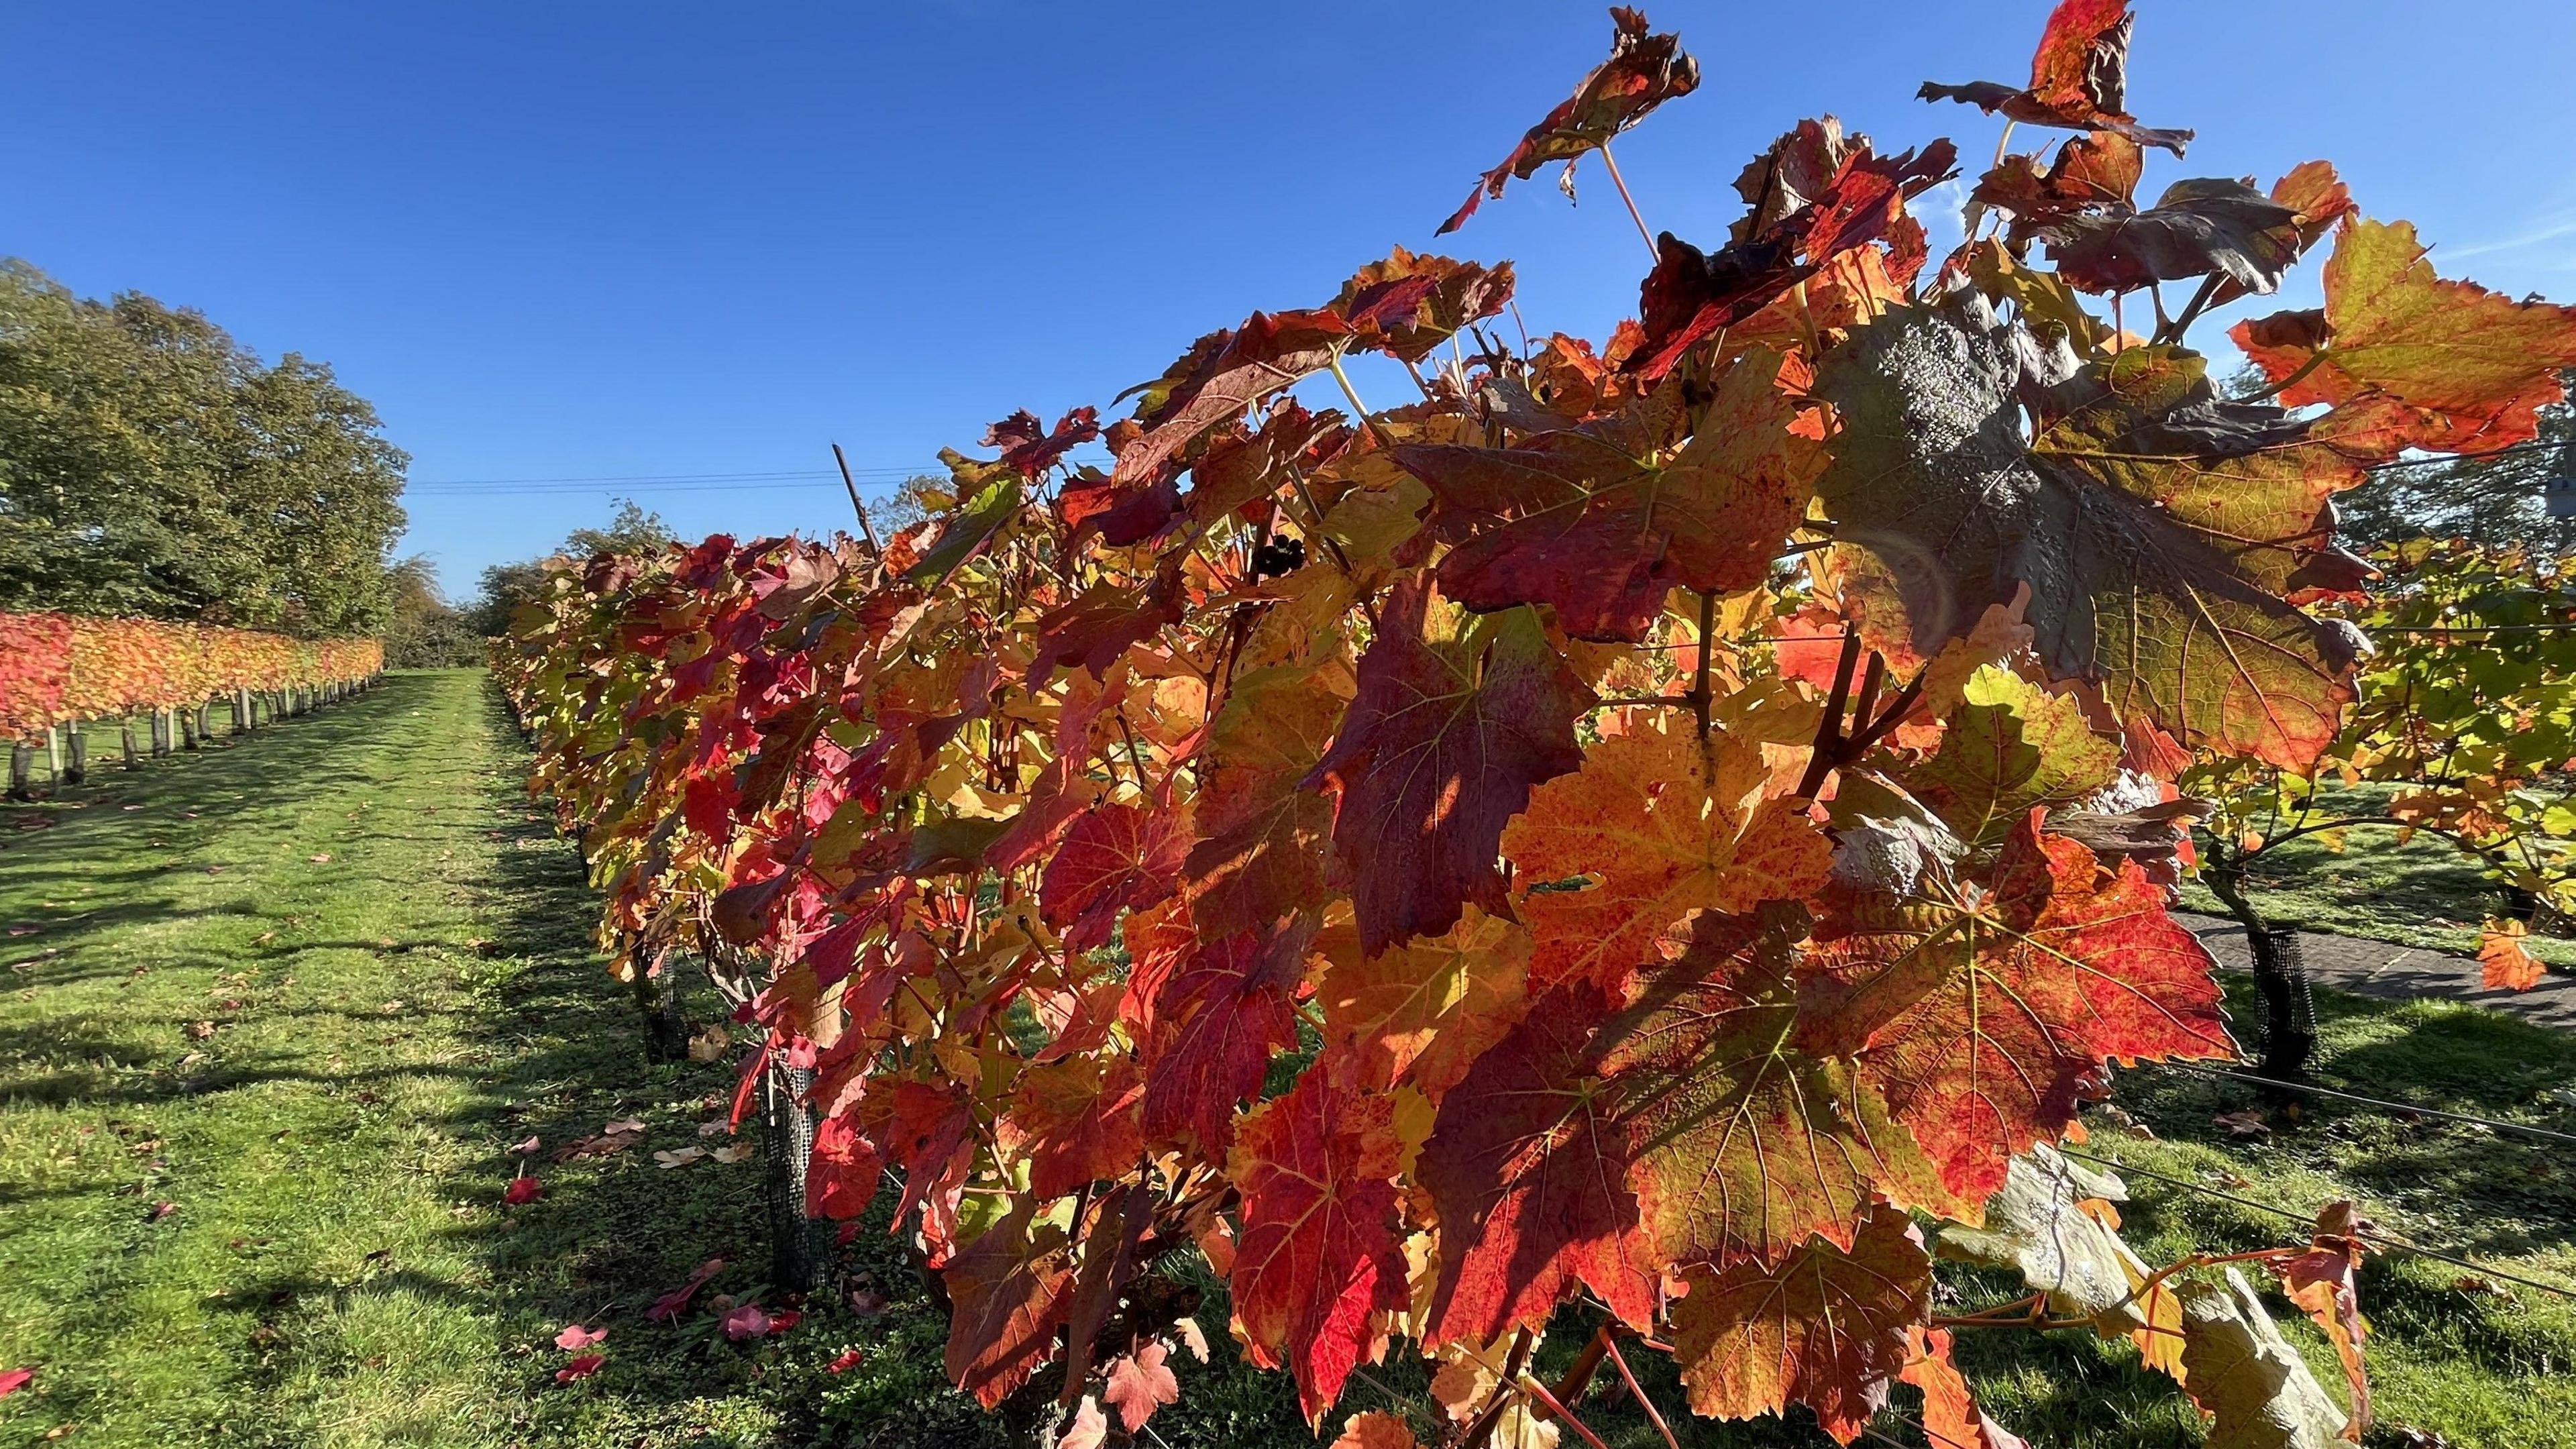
pixel 2495 503
pixel 423 630
pixel 506 586
pixel 150 465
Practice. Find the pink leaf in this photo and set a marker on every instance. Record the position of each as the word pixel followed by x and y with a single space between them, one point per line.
pixel 748 1321
pixel 1089 1429
pixel 577 1337
pixel 1140 1384
pixel 14 1380
pixel 676 1302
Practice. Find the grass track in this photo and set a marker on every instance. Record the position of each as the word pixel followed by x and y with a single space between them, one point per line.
pixel 338 1268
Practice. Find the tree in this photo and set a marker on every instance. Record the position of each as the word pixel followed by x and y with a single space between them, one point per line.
pixel 422 629
pixel 2495 503
pixel 150 465
pixel 506 586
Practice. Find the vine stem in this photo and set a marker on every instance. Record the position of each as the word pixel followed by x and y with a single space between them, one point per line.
pixel 1654 1415
pixel 1556 1407
pixel 1367 419
pixel 1611 164
pixel 2315 360
pixel 1700 697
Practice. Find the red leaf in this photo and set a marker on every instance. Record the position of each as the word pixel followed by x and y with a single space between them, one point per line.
pixel 1139 1384
pixel 1010 1288
pixel 1824 1327
pixel 1217 1023
pixel 676 1302
pixel 1988 1007
pixel 2078 78
pixel 1657 825
pixel 1643 72
pixel 2468 369
pixel 841 1177
pixel 1527 1171
pixel 1456 718
pixel 1745 1138
pixel 848 1360
pixel 580 1368
pixel 1951 1417
pixel 14 1380
pixel 1032 449
pixel 2321 1282
pixel 1080 1120
pixel 1118 857
pixel 1814 196
pixel 1577 521
pixel 522 1190
pixel 1318 1253
pixel 1089 1429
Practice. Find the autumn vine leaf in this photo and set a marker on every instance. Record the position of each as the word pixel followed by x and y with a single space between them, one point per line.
pixel 1318 1253
pixel 1826 1327
pixel 2468 369
pixel 1403 856
pixel 2130 591
pixel 1644 71
pixel 1457 717
pixel 1527 1168
pixel 2506 964
pixel 2079 78
pixel 1579 521
pixel 1988 1006
pixel 2010 746
pixel 1744 1142
pixel 1657 826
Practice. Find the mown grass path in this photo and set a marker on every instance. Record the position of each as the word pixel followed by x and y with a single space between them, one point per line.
pixel 310 990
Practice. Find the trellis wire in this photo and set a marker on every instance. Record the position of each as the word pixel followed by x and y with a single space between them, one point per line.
pixel 2500 1126
pixel 2378 1240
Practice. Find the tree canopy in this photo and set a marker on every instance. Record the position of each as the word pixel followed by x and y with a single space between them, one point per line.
pixel 151 465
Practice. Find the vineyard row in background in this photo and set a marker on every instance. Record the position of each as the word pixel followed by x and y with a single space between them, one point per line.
pixel 59 670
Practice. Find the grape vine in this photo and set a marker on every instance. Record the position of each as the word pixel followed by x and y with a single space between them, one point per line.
pixel 1657 824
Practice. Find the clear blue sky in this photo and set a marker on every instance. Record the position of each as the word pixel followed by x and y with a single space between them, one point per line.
pixel 557 240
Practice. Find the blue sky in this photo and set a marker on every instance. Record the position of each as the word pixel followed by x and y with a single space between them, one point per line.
pixel 575 241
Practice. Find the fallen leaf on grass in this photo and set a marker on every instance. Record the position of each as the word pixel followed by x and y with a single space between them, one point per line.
pixel 735 1152
pixel 1193 1338
pixel 580 1368
pixel 752 1321
pixel 323 858
pixel 162 1210
pixel 623 1124
pixel 575 1336
pixel 2247 1123
pixel 16 1379
pixel 717 1128
pixel 522 1189
pixel 200 1030
pixel 678 1157
pixel 523 1148
pixel 2508 966
pixel 848 1360
pixel 676 1302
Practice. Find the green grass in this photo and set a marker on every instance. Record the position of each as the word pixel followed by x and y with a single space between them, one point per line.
pixel 339 1268
pixel 2426 892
